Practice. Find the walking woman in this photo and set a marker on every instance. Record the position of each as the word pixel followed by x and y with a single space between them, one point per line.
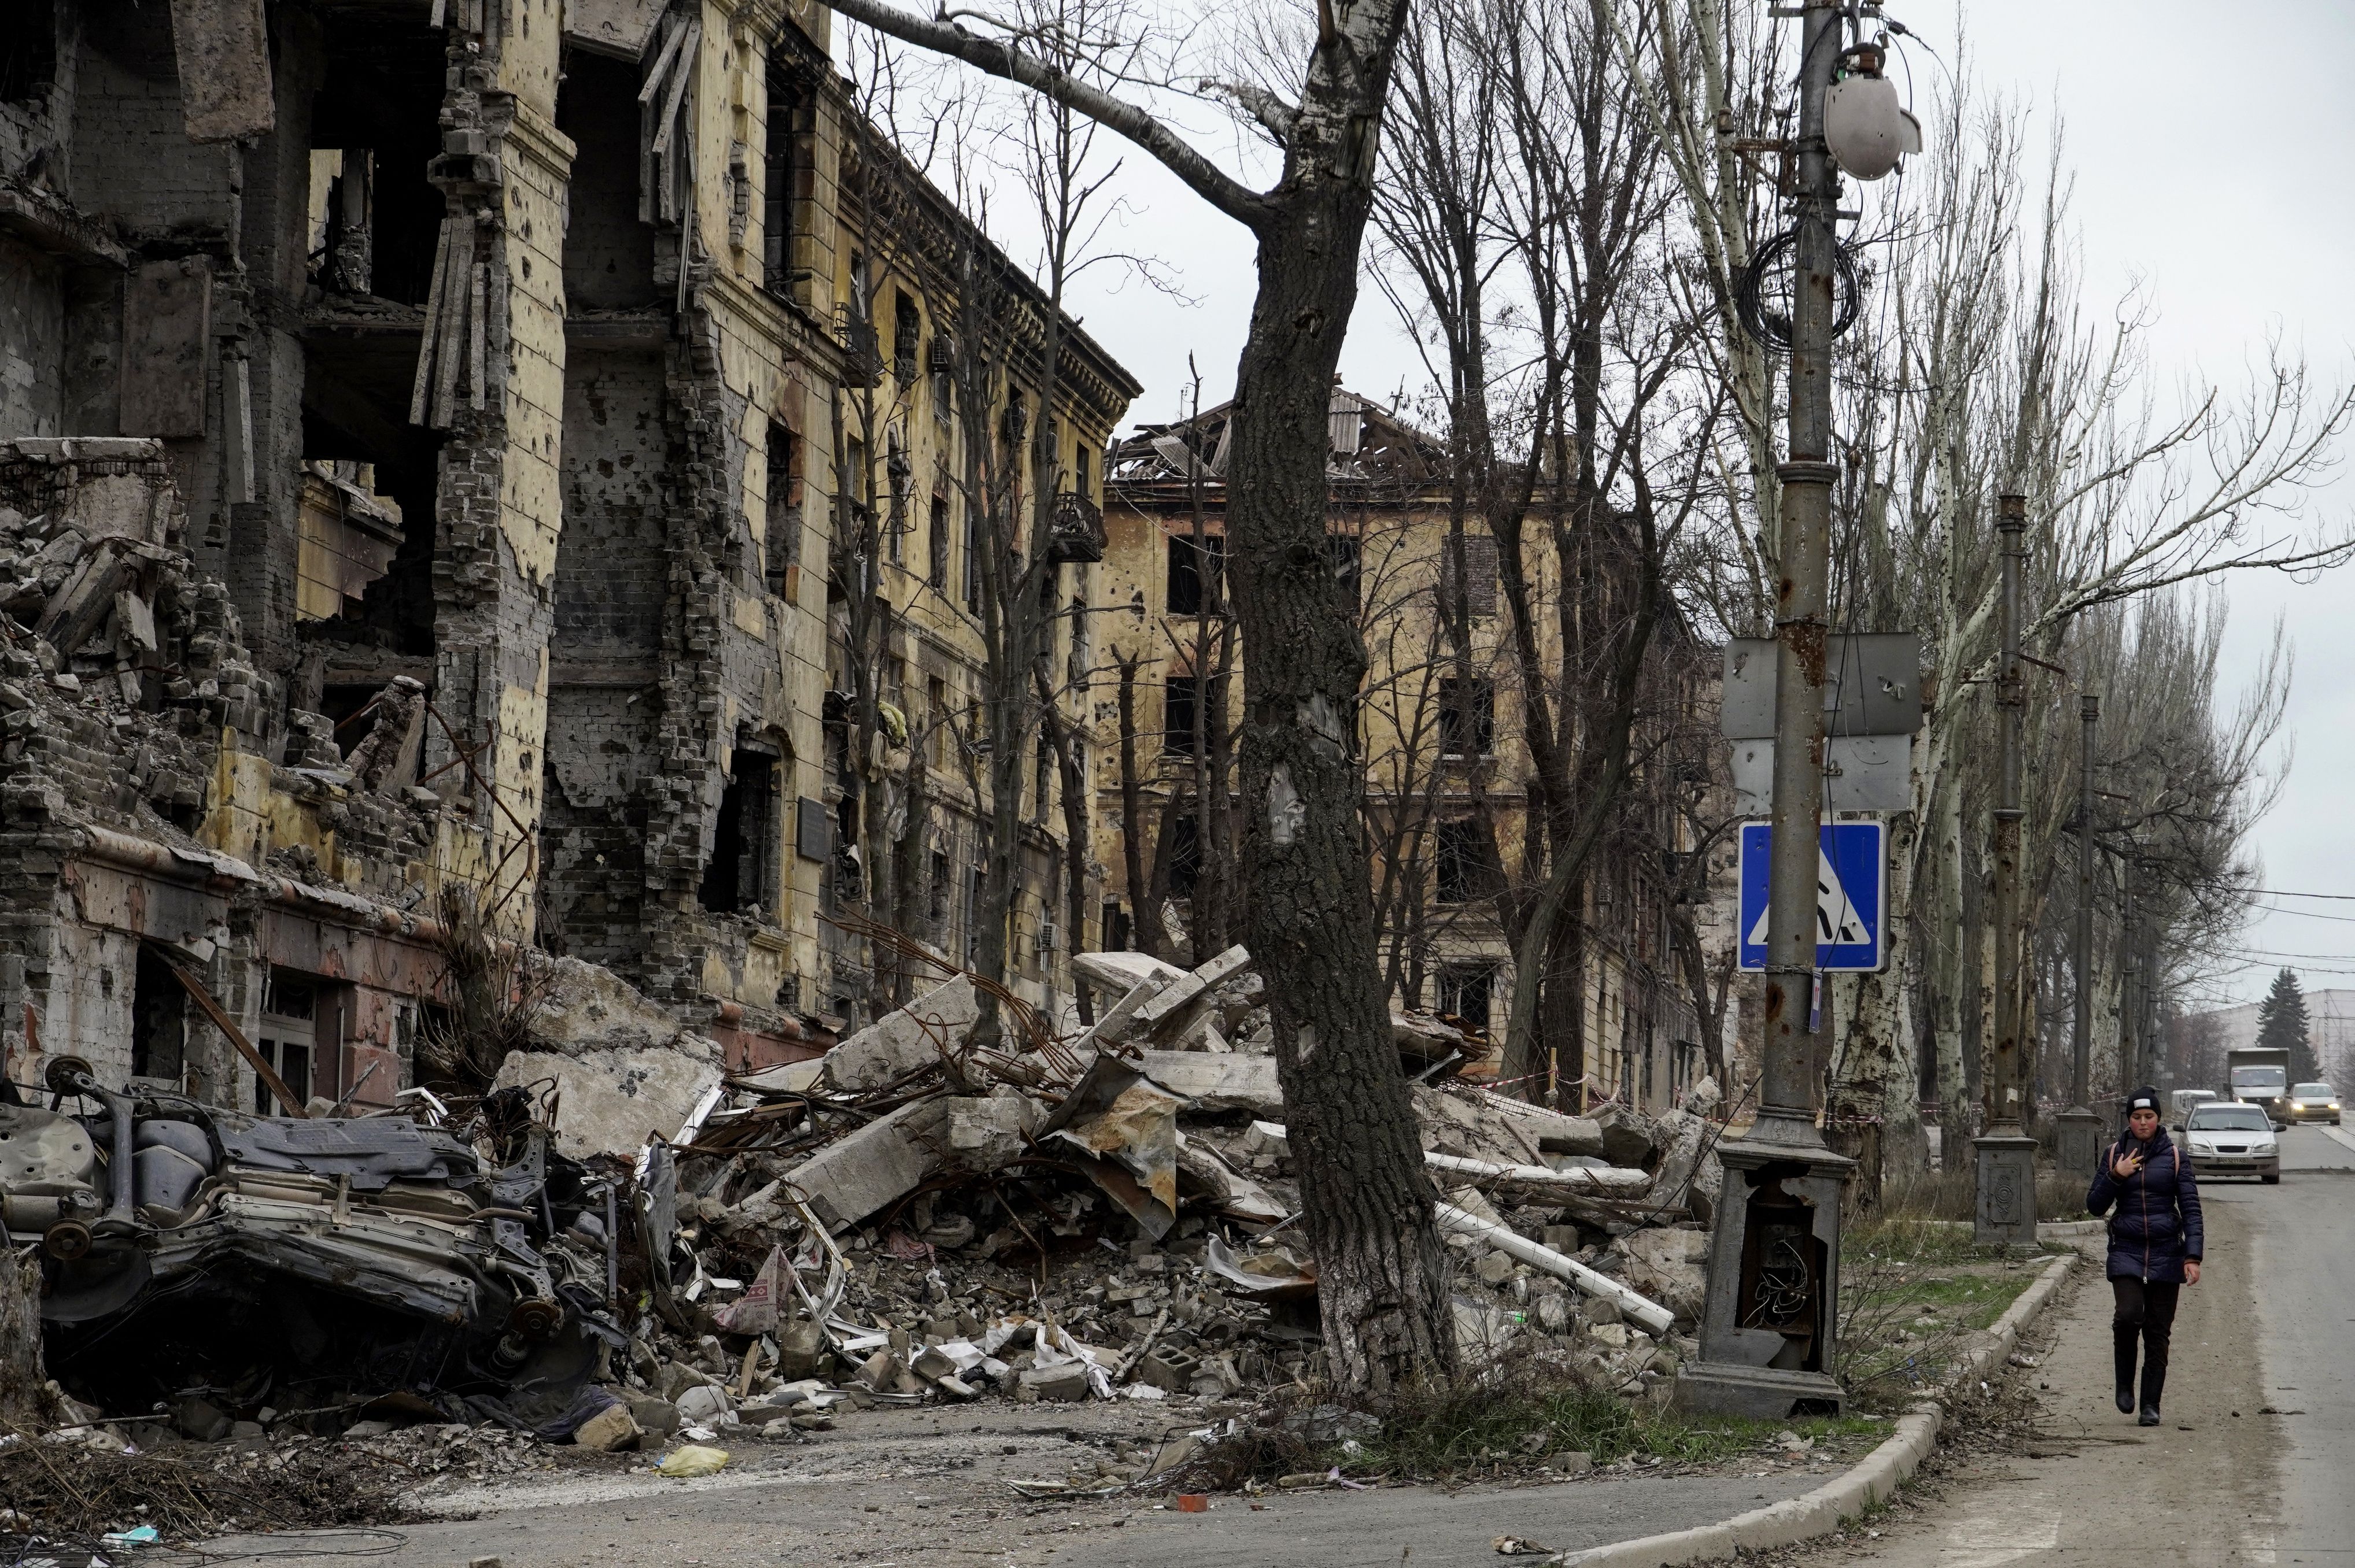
pixel 2155 1242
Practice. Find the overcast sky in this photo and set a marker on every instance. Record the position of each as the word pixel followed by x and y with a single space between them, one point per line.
pixel 2211 164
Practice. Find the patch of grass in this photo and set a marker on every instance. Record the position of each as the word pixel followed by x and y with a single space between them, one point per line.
pixel 1507 1421
pixel 1904 1324
pixel 1473 1428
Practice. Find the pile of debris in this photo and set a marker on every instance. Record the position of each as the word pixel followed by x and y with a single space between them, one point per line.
pixel 955 1202
pixel 621 1244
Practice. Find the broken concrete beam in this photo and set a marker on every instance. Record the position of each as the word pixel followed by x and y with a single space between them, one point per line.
pixel 1480 1124
pixel 1630 1137
pixel 899 1042
pixel 1505 1239
pixel 886 1160
pixel 585 1006
pixel 1689 1170
pixel 1119 973
pixel 1425 1042
pixel 612 1101
pixel 1542 1182
pixel 1171 1007
pixel 1219 1082
pixel 1227 1189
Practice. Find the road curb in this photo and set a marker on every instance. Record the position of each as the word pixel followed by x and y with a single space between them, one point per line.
pixel 1870 1480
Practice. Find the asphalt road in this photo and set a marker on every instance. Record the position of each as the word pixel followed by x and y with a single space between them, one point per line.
pixel 2254 1464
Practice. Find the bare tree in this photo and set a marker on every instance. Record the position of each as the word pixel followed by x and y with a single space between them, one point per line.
pixel 1367 1202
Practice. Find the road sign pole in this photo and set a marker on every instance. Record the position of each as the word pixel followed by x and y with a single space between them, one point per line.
pixel 2081 1130
pixel 2006 1214
pixel 1782 1183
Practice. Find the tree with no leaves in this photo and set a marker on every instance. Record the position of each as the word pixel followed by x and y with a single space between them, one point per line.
pixel 1367 1202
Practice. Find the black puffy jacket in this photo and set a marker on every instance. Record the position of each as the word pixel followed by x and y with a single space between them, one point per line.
pixel 2157 1227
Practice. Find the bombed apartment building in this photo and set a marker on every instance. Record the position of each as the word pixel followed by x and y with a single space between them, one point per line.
pixel 414 417
pixel 1450 780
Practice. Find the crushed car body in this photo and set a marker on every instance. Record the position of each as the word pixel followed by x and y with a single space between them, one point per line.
pixel 465 1264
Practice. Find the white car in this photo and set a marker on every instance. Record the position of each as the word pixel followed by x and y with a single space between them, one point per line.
pixel 2229 1140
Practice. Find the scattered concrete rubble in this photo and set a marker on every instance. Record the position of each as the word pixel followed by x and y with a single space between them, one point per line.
pixel 625 1248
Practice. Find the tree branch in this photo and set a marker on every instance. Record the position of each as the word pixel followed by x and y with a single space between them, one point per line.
pixel 1208 181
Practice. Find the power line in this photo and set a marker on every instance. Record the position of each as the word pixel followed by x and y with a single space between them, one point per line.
pixel 2281 892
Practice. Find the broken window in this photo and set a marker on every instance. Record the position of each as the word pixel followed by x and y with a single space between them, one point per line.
pixel 1468 718
pixel 159 1032
pixel 1455 861
pixel 347 536
pixel 973 560
pixel 937 542
pixel 740 875
pixel 936 895
pixel 1184 855
pixel 28 53
pixel 341 219
pixel 972 876
pixel 1114 915
pixel 898 470
pixel 1343 551
pixel 783 155
pixel 907 329
pixel 289 1038
pixel 1194 577
pixel 1042 774
pixel 1179 696
pixel 1080 468
pixel 1465 990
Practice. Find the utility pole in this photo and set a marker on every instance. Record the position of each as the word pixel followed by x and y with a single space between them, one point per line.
pixel 1774 1296
pixel 2081 1130
pixel 2006 1155
pixel 2129 978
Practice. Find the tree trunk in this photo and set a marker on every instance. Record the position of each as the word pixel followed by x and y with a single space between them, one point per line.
pixel 1366 1201
pixel 1144 909
pixel 25 1400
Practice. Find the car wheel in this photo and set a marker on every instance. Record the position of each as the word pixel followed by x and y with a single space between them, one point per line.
pixel 2273 1181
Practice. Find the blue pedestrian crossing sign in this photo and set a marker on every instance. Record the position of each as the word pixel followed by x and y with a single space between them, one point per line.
pixel 1851 890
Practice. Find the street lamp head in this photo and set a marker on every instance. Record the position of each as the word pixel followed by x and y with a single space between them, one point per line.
pixel 1865 126
pixel 2011 512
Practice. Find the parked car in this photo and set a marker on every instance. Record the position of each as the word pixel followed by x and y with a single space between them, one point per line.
pixel 2229 1140
pixel 2313 1102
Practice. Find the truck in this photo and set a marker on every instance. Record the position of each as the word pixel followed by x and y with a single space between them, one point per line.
pixel 2255 1075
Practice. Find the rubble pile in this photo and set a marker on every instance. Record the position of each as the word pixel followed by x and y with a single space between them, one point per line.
pixel 917 1216
pixel 124 673
pixel 623 1247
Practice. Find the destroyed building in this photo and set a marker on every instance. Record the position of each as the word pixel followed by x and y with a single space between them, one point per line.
pixel 1637 1032
pixel 412 430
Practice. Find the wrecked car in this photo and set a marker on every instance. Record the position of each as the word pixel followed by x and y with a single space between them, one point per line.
pixel 319 1264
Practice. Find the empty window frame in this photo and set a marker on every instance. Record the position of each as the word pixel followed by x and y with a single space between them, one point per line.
pixel 1465 990
pixel 159 1030
pixel 1467 716
pixel 1194 577
pixel 783 154
pixel 1180 696
pixel 289 1038
pixel 1455 861
pixel 740 875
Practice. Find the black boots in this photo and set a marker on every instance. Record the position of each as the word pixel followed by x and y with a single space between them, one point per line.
pixel 2123 1340
pixel 2154 1383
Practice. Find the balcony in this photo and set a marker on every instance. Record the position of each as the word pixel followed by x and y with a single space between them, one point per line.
pixel 1079 533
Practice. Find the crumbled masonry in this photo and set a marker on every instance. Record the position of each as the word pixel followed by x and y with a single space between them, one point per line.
pixel 1052 1219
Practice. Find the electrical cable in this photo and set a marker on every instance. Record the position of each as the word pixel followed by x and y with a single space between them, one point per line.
pixel 1773 327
